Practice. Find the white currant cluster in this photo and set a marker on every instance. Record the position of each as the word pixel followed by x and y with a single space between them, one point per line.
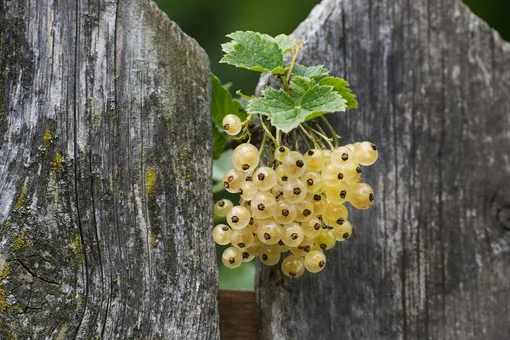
pixel 297 204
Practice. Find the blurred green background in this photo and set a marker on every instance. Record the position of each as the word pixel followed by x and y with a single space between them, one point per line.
pixel 209 21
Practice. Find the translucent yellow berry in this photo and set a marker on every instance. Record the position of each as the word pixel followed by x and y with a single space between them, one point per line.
pixel 270 255
pixel 314 160
pixel 241 238
pixel 366 153
pixel 247 190
pixel 232 180
pixel 269 232
pixel 338 194
pixel 245 157
pixel 263 205
pixel 222 207
pixel 294 164
pixel 294 191
pixel 285 212
pixel 232 124
pixel 221 234
pixel 293 266
pixel 315 261
pixel 280 153
pixel 304 210
pixel 232 257
pixel 312 228
pixel 264 178
pixel 313 182
pixel 238 217
pixel 342 231
pixel 342 157
pixel 361 196
pixel 326 239
pixel 292 234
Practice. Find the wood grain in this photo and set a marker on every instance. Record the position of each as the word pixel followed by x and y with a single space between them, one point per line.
pixel 239 319
pixel 105 167
pixel 431 258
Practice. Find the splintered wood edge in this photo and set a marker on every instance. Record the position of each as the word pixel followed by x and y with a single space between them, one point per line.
pixel 239 317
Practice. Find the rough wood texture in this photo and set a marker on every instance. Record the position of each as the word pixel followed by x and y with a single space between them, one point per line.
pixel 105 168
pixel 430 260
pixel 239 319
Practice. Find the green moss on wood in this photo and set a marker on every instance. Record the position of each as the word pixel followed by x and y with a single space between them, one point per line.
pixel 21 242
pixel 185 168
pixel 154 239
pixel 5 272
pixel 151 182
pixel 47 137
pixel 21 199
pixel 57 164
pixel 76 248
pixel 3 299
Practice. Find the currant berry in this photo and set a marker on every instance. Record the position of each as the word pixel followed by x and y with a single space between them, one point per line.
pixel 269 232
pixel 342 157
pixel 282 247
pixel 336 213
pixel 312 228
pixel 280 153
pixel 247 257
pixel 245 157
pixel 338 194
pixel 232 180
pixel 343 232
pixel 326 239
pixel 222 207
pixel 264 178
pixel 256 248
pixel 292 234
pixel 361 196
pixel 263 205
pixel 303 248
pixel 315 261
pixel 247 190
pixel 285 212
pixel 304 210
pixel 319 203
pixel 241 238
pixel 366 153
pixel 232 257
pixel 270 255
pixel 238 217
pixel 332 175
pixel 232 124
pixel 314 160
pixel 282 175
pixel 294 164
pixel 293 266
pixel 294 191
pixel 277 191
pixel 221 234
pixel 313 182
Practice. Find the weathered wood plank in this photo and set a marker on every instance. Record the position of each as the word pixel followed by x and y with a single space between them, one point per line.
pixel 430 260
pixel 239 319
pixel 105 169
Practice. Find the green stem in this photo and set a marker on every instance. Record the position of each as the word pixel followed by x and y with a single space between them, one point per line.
pixel 267 130
pixel 310 137
pixel 262 145
pixel 331 130
pixel 325 138
pixel 304 139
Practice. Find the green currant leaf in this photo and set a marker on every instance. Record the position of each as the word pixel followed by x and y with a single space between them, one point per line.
pixel 222 103
pixel 341 87
pixel 219 142
pixel 285 42
pixel 305 101
pixel 253 51
pixel 310 71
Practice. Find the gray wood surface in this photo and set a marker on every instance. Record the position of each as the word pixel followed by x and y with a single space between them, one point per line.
pixel 105 167
pixel 431 258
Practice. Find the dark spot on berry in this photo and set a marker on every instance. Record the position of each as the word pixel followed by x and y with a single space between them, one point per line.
pixel 226 126
pixel 251 221
pixel 267 236
pixel 248 179
pixel 232 260
pixel 309 182
pixel 235 219
pixel 221 203
pixel 294 236
pixel 345 236
pixel 264 257
pixel 261 207
pixel 345 156
pixel 340 221
pixel 281 149
pixel 261 176
pixel 306 212
pixel 230 178
pixel 343 193
pixel 245 167
pixel 281 243
pixel 317 226
pixel 340 175
pixel 360 180
pixel 307 248
pixel 373 147
pixel 240 191
pixel 317 197
pixel 224 228
pixel 322 264
pixel 296 191
pixel 241 245
pixel 292 274
pixel 226 185
pixel 285 212
pixel 300 247
pixel 310 152
pixel 300 163
pixel 284 178
pixel 245 255
pixel 358 170
pixel 371 197
pixel 323 246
